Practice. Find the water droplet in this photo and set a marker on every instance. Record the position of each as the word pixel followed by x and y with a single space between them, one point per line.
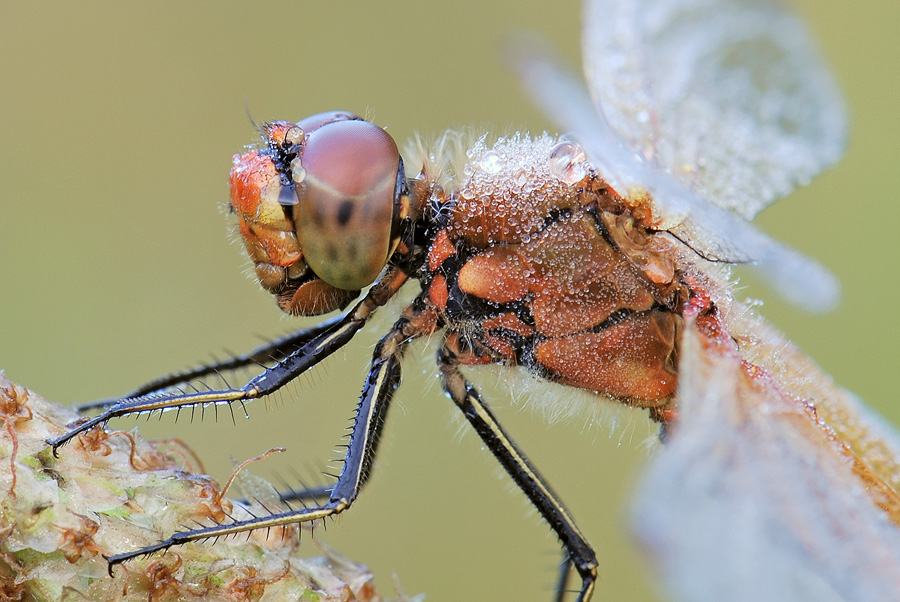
pixel 294 135
pixel 491 162
pixel 298 172
pixel 567 162
pixel 521 177
pixel 642 116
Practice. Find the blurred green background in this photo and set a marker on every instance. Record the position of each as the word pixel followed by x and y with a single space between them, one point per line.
pixel 118 123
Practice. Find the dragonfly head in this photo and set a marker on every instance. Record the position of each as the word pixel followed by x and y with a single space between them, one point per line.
pixel 320 206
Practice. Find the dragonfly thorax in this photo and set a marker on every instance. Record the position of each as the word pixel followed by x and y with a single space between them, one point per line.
pixel 540 264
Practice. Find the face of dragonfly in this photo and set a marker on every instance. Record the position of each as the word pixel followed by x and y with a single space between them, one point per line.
pixel 586 264
pixel 319 208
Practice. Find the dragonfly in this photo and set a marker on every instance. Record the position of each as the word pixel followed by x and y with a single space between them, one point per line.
pixel 601 261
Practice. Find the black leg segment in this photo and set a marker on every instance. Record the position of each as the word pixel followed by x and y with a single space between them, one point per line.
pixel 383 380
pixel 331 337
pixel 274 351
pixel 579 551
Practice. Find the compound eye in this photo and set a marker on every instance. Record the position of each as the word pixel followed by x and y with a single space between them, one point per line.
pixel 349 200
pixel 314 122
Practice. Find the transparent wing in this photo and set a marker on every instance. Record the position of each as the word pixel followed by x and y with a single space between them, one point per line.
pixel 754 498
pixel 728 96
pixel 712 231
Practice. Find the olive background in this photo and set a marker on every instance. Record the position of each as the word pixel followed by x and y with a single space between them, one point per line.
pixel 118 122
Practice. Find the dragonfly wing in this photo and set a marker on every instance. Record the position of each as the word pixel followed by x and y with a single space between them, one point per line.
pixel 719 235
pixel 730 97
pixel 712 231
pixel 752 498
pixel 564 98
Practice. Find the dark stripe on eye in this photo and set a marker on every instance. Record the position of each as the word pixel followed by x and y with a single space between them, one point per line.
pixel 345 212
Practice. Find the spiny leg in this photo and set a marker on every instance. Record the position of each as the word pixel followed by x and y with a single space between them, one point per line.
pixel 305 494
pixel 562 582
pixel 271 379
pixel 273 351
pixel 302 493
pixel 579 551
pixel 383 380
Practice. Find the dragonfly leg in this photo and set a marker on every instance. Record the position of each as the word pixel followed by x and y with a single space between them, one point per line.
pixel 578 550
pixel 273 351
pixel 302 495
pixel 565 569
pixel 383 380
pixel 329 340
